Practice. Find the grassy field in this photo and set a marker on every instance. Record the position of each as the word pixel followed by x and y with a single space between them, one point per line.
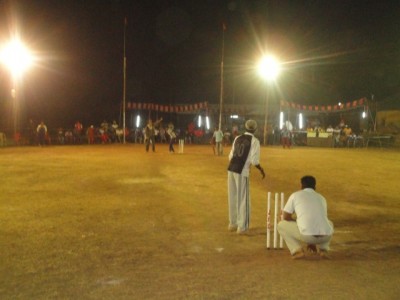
pixel 115 222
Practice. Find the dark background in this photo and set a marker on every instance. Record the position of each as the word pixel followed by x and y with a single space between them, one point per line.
pixel 332 51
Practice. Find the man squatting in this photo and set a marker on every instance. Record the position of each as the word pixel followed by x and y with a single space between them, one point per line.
pixel 311 225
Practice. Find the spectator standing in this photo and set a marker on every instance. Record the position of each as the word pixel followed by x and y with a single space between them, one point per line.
pixel 227 137
pixel 219 137
pixel 60 136
pixel 41 133
pixel 172 137
pixel 91 134
pixel 150 134
pixel 286 137
pixel 78 127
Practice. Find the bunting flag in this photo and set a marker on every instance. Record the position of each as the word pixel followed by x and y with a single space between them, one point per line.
pixel 330 108
pixel 231 109
pixel 167 108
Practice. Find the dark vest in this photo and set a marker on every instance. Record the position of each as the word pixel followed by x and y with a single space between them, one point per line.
pixel 241 150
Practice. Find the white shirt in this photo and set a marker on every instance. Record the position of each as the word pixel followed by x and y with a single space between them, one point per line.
pixel 171 132
pixel 311 211
pixel 218 135
pixel 254 154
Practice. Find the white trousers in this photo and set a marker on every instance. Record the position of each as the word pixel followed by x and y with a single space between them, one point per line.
pixel 239 201
pixel 294 239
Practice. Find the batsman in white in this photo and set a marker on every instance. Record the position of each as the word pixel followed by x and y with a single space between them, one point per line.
pixel 244 153
pixel 311 225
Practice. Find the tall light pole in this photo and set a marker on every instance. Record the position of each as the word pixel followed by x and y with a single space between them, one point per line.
pixel 124 88
pixel 221 95
pixel 269 69
pixel 17 58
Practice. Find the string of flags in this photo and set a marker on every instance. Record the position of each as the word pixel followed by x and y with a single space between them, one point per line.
pixel 343 106
pixel 243 109
pixel 167 108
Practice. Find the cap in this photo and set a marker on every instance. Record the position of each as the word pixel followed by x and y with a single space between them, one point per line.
pixel 250 125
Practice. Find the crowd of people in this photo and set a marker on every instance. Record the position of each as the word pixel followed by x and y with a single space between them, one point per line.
pixel 108 133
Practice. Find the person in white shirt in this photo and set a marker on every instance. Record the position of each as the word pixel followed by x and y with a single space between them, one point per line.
pixel 311 225
pixel 244 153
pixel 218 136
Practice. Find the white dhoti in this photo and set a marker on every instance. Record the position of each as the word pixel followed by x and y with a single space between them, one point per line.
pixel 239 201
pixel 294 239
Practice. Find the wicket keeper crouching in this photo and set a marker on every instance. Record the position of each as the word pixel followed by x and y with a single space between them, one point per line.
pixel 244 153
pixel 311 226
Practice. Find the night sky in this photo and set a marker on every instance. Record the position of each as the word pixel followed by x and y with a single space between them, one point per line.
pixel 332 51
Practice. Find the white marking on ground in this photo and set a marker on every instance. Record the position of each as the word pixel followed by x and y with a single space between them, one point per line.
pixel 140 180
pixel 110 281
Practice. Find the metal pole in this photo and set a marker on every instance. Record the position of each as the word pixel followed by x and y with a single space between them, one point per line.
pixel 124 91
pixel 15 104
pixel 266 116
pixel 15 109
pixel 221 96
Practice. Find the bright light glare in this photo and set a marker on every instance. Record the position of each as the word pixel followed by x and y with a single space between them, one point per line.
pixel 364 115
pixel 207 123
pixel 281 120
pixel 234 117
pixel 199 122
pixel 269 68
pixel 301 121
pixel 137 121
pixel 16 57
